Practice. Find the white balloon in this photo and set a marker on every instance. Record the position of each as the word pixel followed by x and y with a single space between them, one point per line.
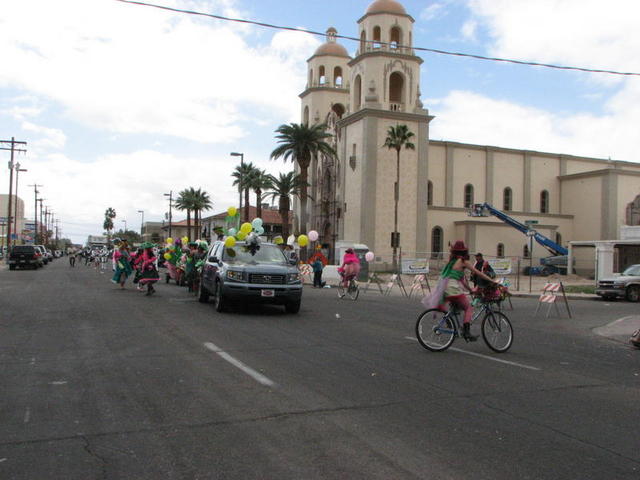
pixel 313 235
pixel 291 240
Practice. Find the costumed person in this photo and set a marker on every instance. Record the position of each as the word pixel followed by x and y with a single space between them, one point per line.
pixel 175 253
pixel 190 265
pixel 122 259
pixel 136 263
pixel 482 265
pixel 350 267
pixel 452 285
pixel 148 270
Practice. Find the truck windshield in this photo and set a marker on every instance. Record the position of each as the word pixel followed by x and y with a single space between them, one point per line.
pixel 264 254
pixel 633 270
pixel 22 249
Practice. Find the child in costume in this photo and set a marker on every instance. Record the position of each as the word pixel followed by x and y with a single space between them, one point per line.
pixel 350 267
pixel 122 262
pixel 452 285
pixel 148 270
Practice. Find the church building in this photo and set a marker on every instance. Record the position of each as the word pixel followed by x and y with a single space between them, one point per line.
pixel 352 197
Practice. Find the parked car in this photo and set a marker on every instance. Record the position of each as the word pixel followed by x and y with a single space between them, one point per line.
pixel 250 273
pixel 43 253
pixel 25 256
pixel 625 285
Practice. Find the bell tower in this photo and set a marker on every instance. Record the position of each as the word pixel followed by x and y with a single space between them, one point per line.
pixel 384 93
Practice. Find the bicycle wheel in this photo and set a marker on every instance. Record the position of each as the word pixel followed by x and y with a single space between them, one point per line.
pixel 497 331
pixel 341 290
pixel 353 291
pixel 434 330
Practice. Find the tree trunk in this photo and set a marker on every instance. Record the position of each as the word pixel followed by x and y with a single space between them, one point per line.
pixel 188 224
pixel 304 175
pixel 246 204
pixel 259 203
pixel 283 209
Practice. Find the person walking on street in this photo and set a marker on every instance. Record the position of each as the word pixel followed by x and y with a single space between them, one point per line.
pixel 148 270
pixel 72 258
pixel 122 260
pixel 317 273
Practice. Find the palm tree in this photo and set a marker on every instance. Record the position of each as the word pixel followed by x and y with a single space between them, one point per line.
pixel 184 201
pixel 109 215
pixel 260 182
pixel 284 187
pixel 201 201
pixel 242 175
pixel 300 143
pixel 397 137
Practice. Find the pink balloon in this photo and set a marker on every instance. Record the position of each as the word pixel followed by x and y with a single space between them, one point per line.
pixel 369 257
pixel 313 235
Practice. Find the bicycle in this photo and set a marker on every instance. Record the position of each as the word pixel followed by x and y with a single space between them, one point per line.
pixel 352 290
pixel 436 330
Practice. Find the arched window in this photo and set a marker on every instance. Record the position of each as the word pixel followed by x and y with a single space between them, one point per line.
pixel 468 195
pixel 436 242
pixel 558 238
pixel 500 250
pixel 337 76
pixel 376 37
pixel 305 116
pixel 311 77
pixel 363 41
pixel 322 75
pixel 507 199
pixel 429 192
pixel 544 201
pixel 396 91
pixel 357 93
pixel 395 37
pixel 633 212
pixel 339 109
pixel 525 251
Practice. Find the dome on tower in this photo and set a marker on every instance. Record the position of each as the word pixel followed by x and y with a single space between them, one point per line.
pixel 331 47
pixel 386 6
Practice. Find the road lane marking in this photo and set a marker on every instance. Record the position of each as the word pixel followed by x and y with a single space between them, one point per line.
pixel 257 376
pixel 487 357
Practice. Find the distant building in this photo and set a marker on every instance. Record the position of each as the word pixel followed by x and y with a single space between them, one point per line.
pixel 16 233
pixel 271 222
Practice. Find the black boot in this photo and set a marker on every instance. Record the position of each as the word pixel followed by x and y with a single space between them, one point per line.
pixel 466 333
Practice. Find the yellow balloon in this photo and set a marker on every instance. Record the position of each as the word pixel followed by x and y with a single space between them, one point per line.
pixel 231 211
pixel 167 256
pixel 230 242
pixel 241 235
pixel 303 240
pixel 185 240
pixel 278 240
pixel 246 228
pixel 169 240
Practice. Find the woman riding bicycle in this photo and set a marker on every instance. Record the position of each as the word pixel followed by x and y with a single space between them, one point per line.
pixel 452 285
pixel 350 267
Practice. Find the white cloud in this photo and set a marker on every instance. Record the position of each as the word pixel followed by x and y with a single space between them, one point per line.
pixel 52 138
pixel 434 11
pixel 132 69
pixel 468 30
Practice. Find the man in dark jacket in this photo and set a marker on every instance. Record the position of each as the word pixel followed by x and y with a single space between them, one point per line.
pixel 483 266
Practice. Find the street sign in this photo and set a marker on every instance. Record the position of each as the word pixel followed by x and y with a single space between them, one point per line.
pixel 531 222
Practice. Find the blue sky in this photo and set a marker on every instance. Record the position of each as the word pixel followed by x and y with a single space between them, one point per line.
pixel 120 103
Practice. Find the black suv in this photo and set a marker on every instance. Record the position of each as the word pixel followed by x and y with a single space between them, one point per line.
pixel 250 273
pixel 25 256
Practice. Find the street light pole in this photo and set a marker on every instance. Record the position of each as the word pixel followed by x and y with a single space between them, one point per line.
pixel 41 228
pixel 125 225
pixel 170 195
pixel 240 187
pixel 141 223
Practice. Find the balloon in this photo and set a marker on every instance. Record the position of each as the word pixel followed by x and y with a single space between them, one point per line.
pixel 246 227
pixel 313 235
pixel 167 256
pixel 169 240
pixel 291 240
pixel 232 232
pixel 232 211
pixel 257 223
pixel 185 240
pixel 230 242
pixel 303 240
pixel 278 240
pixel 260 230
pixel 241 235
pixel 369 257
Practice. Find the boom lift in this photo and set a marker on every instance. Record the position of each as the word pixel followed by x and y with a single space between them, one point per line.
pixel 558 252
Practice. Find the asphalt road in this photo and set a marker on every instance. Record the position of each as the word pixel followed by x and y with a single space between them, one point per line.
pixel 99 383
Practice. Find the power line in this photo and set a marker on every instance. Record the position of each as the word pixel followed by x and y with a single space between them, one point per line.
pixel 345 37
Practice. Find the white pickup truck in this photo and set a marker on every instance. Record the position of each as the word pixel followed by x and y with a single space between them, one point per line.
pixel 625 285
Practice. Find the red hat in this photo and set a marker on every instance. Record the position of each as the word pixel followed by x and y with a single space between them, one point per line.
pixel 459 246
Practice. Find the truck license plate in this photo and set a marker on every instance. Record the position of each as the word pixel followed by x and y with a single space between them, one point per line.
pixel 268 293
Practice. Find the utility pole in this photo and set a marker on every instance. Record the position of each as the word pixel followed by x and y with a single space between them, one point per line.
pixel 35 213
pixel 41 229
pixel 13 149
pixel 170 195
pixel 15 219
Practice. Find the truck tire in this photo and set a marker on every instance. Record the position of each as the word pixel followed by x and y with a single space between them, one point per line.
pixel 292 307
pixel 633 293
pixel 203 293
pixel 12 267
pixel 220 301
